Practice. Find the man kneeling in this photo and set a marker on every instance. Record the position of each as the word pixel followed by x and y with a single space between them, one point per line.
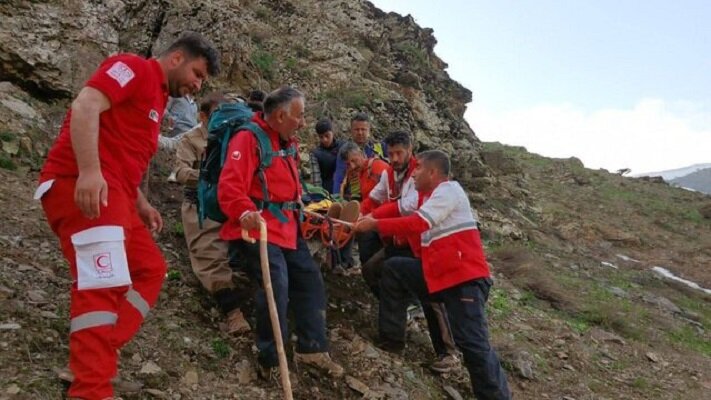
pixel 450 267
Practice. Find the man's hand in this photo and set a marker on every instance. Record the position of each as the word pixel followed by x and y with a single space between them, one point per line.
pixel 366 224
pixel 251 220
pixel 151 217
pixel 91 189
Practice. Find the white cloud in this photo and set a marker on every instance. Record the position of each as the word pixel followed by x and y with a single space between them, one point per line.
pixel 654 135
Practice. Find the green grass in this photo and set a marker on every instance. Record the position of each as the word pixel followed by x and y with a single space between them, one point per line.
pixel 220 348
pixel 640 383
pixel 690 338
pixel 579 325
pixel 291 63
pixel 6 163
pixel 173 275
pixel 301 51
pixel 499 303
pixel 6 136
pixel 264 61
pixel 334 99
pixel 178 229
pixel 598 307
pixel 415 55
pixel 263 12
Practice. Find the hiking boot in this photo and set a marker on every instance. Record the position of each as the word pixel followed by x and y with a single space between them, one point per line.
pixel 236 323
pixel 269 374
pixel 415 312
pixel 350 211
pixel 334 211
pixel 120 385
pixel 445 363
pixel 320 361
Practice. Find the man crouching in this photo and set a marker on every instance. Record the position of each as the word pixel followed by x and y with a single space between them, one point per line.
pixel 249 194
pixel 449 266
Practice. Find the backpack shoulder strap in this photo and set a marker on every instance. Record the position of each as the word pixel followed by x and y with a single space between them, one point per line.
pixel 264 152
pixel 264 144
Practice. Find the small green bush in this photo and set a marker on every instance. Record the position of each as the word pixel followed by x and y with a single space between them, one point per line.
pixel 264 61
pixel 220 348
pixel 6 163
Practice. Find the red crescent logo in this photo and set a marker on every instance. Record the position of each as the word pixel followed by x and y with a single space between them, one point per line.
pixel 101 263
pixel 236 155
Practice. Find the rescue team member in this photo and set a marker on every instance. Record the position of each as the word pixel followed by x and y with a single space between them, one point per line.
pixel 296 279
pixel 450 267
pixel 90 195
pixel 396 186
pixel 397 178
pixel 208 253
pixel 360 135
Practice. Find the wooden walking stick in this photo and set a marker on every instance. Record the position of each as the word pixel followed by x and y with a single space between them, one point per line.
pixel 273 315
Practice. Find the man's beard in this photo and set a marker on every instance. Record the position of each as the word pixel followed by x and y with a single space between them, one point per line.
pixel 404 165
pixel 174 89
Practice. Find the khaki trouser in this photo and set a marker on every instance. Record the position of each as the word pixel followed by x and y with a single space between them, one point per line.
pixel 208 253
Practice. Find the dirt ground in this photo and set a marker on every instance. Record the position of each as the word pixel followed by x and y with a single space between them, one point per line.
pixel 577 339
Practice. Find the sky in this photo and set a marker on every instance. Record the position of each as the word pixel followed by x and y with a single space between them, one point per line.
pixel 616 83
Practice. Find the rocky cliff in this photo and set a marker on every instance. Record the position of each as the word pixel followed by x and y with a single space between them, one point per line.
pixel 577 312
pixel 345 56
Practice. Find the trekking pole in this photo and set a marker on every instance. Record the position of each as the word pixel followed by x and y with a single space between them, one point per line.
pixel 273 315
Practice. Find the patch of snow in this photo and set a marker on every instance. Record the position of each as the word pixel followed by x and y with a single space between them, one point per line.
pixel 607 264
pixel 626 258
pixel 675 173
pixel 669 275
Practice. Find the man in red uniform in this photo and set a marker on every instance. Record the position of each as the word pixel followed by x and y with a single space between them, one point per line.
pixel 249 195
pixel 90 195
pixel 449 267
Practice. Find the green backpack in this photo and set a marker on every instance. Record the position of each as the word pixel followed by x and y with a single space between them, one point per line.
pixel 226 121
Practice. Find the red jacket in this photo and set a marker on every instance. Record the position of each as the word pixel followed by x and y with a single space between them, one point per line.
pixel 128 131
pixel 239 185
pixel 451 248
pixel 386 190
pixel 368 177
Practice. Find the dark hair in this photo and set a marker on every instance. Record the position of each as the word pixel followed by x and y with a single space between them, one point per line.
pixel 212 100
pixel 256 95
pixel 348 148
pixel 195 45
pixel 361 116
pixel 436 158
pixel 280 97
pixel 398 137
pixel 323 125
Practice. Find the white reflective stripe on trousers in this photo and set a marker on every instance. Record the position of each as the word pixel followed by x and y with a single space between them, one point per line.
pixel 92 319
pixel 138 302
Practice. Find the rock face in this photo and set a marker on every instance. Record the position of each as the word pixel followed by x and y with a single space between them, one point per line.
pixel 346 56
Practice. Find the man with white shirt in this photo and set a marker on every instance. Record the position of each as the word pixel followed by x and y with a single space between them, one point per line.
pixel 449 267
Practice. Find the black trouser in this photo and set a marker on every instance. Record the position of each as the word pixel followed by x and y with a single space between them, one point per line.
pixel 343 256
pixel 372 270
pixel 298 285
pixel 368 244
pixel 437 324
pixel 465 308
